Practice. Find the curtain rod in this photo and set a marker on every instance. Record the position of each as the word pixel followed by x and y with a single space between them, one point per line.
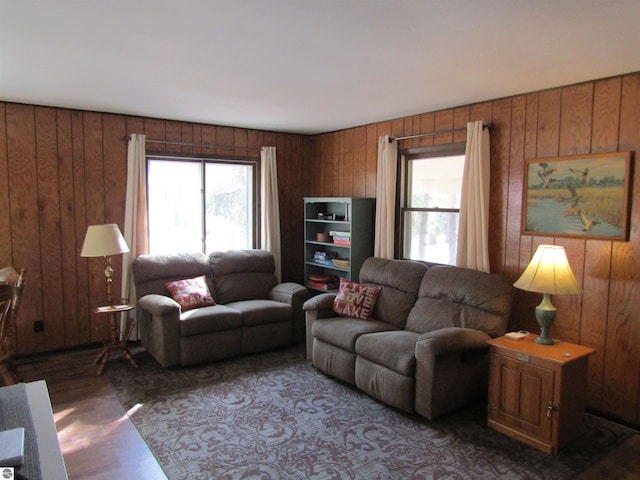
pixel 192 144
pixel 440 132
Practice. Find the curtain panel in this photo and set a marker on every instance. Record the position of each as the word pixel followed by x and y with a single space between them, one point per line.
pixel 385 198
pixel 269 207
pixel 473 228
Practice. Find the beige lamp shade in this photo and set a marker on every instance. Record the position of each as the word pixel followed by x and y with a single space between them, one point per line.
pixel 103 240
pixel 549 272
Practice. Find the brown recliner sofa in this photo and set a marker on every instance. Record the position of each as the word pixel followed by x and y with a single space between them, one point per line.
pixel 253 312
pixel 424 350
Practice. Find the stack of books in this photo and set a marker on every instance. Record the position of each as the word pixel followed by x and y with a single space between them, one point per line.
pixel 325 258
pixel 323 281
pixel 341 263
pixel 341 238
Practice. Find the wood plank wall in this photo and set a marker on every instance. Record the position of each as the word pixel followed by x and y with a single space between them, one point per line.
pixel 62 170
pixel 592 117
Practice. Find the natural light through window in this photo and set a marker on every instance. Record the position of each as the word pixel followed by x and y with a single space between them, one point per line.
pixel 197 205
pixel 430 218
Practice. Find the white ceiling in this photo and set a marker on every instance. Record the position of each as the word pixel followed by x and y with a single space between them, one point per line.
pixel 304 66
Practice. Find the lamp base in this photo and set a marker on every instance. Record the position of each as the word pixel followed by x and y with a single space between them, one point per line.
pixel 545 315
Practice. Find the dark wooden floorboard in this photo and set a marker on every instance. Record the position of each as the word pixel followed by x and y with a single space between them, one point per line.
pixel 97 439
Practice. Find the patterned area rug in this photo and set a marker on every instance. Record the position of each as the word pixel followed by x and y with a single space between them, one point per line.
pixel 274 416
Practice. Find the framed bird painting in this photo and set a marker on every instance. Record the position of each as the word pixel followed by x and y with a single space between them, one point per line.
pixel 584 196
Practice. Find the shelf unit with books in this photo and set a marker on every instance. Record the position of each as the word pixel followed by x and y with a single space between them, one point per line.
pixel 338 237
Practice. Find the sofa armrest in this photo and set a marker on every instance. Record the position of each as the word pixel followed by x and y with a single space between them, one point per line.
pixel 158 304
pixel 295 295
pixel 159 327
pixel 289 292
pixel 320 306
pixel 451 370
pixel 451 340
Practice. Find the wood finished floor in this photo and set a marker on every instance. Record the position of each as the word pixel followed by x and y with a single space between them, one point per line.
pixel 99 442
pixel 97 439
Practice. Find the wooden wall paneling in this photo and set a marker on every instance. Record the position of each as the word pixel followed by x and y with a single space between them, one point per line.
pixel 95 209
pixel 6 246
pixel 360 162
pixel 597 267
pixel 186 136
pixel 115 185
pixel 414 128
pixel 371 171
pixel 460 120
pixel 196 138
pixel 208 138
pixel 225 138
pixel 296 269
pixel 548 123
pixel 337 157
pixel 567 324
pixel 443 120
pixel 155 129
pixel 83 325
pixel 531 126
pixel 25 241
pixel 348 177
pixel 48 189
pixel 575 119
pixel 174 134
pixel 254 142
pixel 513 200
pixel 240 141
pixel 427 125
pixel 606 115
pixel 500 143
pixel 69 252
pixel 134 125
pixel 622 379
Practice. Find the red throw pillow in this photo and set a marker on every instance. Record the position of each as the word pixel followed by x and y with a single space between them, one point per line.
pixel 355 300
pixel 190 293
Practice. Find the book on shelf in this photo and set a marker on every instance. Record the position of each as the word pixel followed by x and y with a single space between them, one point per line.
pixel 342 241
pixel 323 286
pixel 335 233
pixel 341 263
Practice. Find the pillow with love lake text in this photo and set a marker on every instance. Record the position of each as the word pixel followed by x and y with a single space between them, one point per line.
pixel 355 299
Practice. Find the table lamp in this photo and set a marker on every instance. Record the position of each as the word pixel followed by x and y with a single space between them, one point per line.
pixel 104 241
pixel 548 273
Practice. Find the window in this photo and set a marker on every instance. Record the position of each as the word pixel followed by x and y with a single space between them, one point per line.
pixel 430 203
pixel 201 204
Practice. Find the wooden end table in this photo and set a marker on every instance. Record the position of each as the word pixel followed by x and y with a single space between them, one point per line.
pixel 538 393
pixel 116 342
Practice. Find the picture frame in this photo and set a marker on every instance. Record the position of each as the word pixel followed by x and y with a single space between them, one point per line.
pixel 585 196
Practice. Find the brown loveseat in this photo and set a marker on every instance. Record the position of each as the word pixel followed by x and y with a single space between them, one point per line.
pixel 253 313
pixel 424 350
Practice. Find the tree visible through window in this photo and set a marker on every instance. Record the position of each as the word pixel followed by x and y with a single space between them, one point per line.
pixel 430 208
pixel 200 205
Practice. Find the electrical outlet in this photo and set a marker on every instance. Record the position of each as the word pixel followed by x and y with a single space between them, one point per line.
pixel 38 326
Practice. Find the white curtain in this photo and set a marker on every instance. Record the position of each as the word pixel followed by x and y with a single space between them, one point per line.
pixel 135 218
pixel 270 210
pixel 473 229
pixel 386 197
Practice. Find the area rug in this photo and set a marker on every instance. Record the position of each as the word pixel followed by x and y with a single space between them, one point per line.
pixel 274 416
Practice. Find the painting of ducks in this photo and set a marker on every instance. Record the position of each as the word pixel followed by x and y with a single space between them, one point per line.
pixel 578 195
pixel 581 173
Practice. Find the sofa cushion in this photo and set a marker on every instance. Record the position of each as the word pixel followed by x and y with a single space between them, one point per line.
pixel 355 299
pixel 203 320
pixel 262 312
pixel 151 272
pixel 400 282
pixel 242 275
pixel 461 297
pixel 190 293
pixel 343 332
pixel 394 350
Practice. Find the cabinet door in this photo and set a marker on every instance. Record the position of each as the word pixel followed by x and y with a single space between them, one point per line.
pixel 520 395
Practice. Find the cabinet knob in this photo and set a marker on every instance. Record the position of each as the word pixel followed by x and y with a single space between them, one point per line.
pixel 550 408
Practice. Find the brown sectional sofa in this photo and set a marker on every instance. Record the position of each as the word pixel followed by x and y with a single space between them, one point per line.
pixel 425 348
pixel 253 312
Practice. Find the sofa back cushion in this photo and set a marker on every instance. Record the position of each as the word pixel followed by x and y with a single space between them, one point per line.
pixel 151 272
pixel 461 297
pixel 242 275
pixel 400 282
